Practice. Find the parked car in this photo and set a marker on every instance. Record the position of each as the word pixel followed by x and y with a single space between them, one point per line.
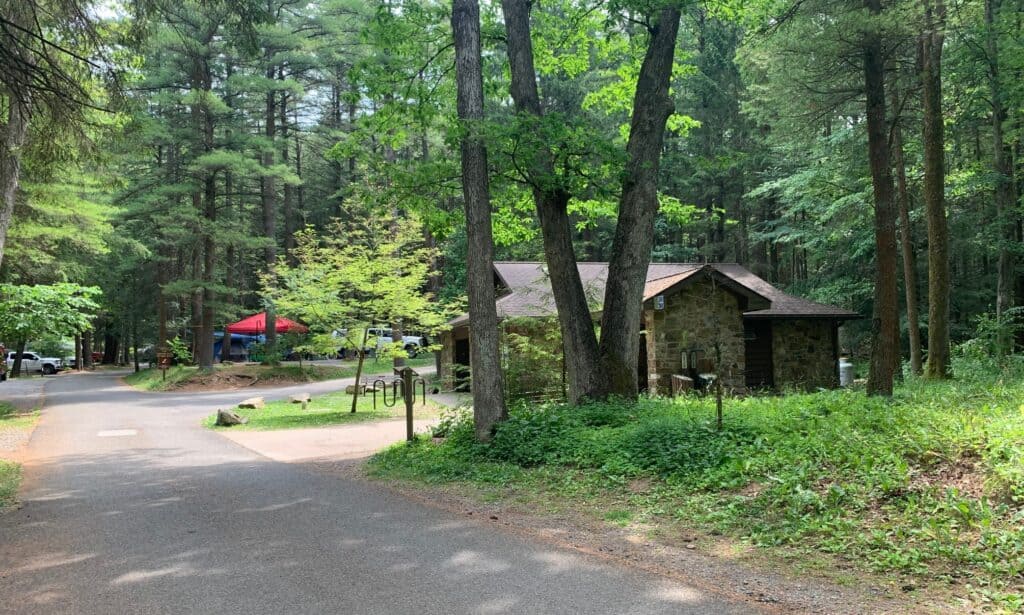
pixel 3 364
pixel 383 336
pixel 33 362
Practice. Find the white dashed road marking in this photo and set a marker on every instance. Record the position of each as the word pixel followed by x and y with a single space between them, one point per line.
pixel 117 433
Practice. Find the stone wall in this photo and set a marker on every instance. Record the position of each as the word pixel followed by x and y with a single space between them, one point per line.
pixel 803 354
pixel 447 375
pixel 694 317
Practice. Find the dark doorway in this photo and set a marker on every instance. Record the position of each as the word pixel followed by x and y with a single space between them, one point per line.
pixel 757 336
pixel 460 368
pixel 641 362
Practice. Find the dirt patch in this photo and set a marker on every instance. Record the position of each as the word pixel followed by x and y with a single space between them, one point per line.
pixel 965 475
pixel 246 376
pixel 217 381
pixel 711 563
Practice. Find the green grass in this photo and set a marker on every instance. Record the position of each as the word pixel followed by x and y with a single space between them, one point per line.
pixel 330 409
pixel 178 376
pixel 927 486
pixel 10 479
pixel 10 471
pixel 11 419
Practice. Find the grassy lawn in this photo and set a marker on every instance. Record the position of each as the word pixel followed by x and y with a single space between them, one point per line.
pixel 10 471
pixel 926 489
pixel 330 409
pixel 228 376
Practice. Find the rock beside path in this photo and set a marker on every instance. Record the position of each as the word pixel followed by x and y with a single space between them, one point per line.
pixel 227 418
pixel 300 398
pixel 253 403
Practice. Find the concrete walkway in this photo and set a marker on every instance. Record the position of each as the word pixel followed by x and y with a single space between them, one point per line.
pixel 325 443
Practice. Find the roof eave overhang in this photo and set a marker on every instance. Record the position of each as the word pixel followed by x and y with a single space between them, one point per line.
pixel 756 316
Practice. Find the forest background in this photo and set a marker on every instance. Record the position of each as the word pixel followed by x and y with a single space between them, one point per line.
pixel 171 153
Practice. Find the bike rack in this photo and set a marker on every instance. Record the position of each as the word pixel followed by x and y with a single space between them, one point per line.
pixel 408 380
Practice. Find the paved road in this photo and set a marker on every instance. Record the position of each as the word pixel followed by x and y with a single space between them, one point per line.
pixel 24 393
pixel 131 507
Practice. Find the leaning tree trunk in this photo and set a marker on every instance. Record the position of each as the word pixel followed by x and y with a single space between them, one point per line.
pixel 485 352
pixel 580 348
pixel 361 354
pixel 934 190
pixel 13 134
pixel 883 325
pixel 638 205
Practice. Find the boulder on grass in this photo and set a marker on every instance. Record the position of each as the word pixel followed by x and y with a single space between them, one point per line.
pixel 227 418
pixel 300 398
pixel 253 403
pixel 351 389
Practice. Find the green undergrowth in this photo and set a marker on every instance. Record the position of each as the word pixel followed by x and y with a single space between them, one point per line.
pixel 322 411
pixel 927 486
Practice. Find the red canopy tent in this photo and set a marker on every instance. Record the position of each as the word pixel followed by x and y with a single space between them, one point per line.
pixel 257 323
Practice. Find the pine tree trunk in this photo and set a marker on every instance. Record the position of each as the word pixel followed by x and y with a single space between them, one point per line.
pixel 638 206
pixel 883 325
pixel 204 338
pixel 484 344
pixel 907 245
pixel 13 134
pixel 582 356
pixel 267 195
pixel 1004 193
pixel 288 198
pixel 934 190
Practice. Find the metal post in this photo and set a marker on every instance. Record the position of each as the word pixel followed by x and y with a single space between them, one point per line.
pixel 410 395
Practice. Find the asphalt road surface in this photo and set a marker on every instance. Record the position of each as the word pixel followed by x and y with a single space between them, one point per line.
pixel 130 506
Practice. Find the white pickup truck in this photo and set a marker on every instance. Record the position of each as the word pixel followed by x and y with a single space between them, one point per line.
pixel 380 337
pixel 33 362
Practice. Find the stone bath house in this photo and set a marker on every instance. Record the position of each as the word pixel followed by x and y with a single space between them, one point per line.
pixel 693 313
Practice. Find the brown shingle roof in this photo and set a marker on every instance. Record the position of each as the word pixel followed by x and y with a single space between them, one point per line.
pixel 529 290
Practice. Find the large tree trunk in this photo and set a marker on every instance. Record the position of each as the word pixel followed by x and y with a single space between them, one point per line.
pixel 206 203
pixel 638 205
pixel 268 193
pixel 288 199
pixel 229 266
pixel 13 134
pixel 86 349
pixel 18 358
pixel 883 326
pixel 907 245
pixel 484 345
pixel 934 190
pixel 204 338
pixel 582 355
pixel 1004 193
